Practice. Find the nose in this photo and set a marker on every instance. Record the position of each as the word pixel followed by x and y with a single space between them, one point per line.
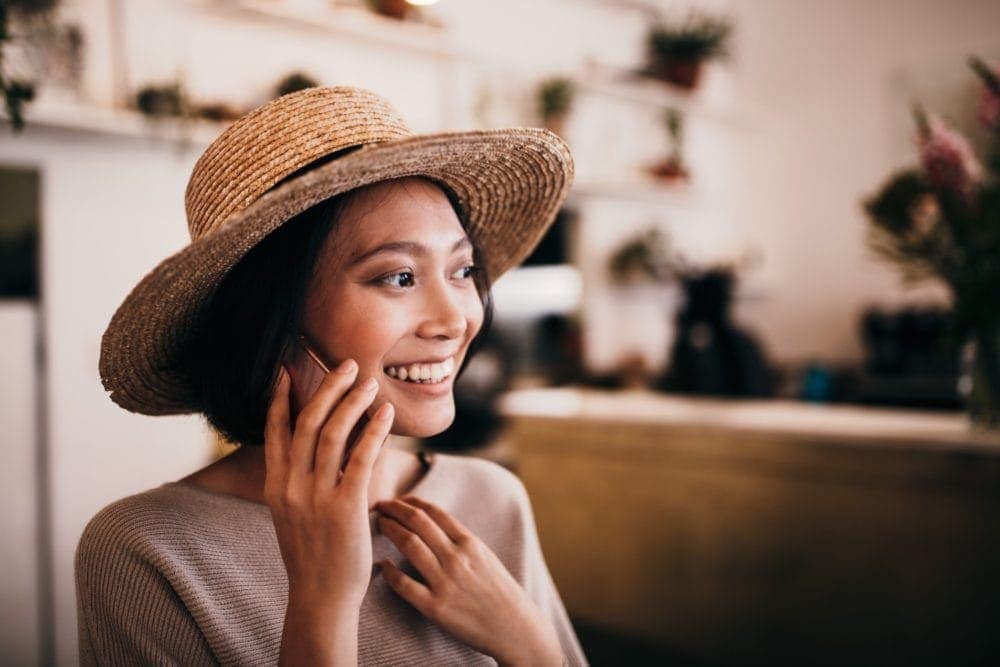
pixel 445 316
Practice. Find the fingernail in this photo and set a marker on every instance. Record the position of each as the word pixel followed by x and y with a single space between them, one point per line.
pixel 369 384
pixel 385 412
pixel 346 367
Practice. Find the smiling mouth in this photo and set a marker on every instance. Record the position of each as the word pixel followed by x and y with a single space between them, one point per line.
pixel 421 373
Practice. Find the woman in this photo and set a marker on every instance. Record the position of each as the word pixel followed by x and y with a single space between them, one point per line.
pixel 327 237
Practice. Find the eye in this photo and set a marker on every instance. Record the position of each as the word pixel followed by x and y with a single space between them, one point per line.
pixel 467 271
pixel 398 279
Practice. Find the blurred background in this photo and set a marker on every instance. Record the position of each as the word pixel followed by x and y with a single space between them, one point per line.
pixel 750 378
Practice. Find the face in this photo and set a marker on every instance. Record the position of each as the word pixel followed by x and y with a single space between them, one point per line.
pixel 394 291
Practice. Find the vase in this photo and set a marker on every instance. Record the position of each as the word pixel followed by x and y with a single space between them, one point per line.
pixel 682 72
pixel 984 394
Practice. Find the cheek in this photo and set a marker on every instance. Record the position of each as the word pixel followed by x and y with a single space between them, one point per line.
pixel 476 314
pixel 374 330
pixel 363 333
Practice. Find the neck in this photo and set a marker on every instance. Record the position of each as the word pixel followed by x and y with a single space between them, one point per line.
pixel 385 478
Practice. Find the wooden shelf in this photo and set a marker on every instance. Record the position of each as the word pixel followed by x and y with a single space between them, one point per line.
pixel 632 87
pixel 638 189
pixel 648 7
pixel 355 22
pixel 118 122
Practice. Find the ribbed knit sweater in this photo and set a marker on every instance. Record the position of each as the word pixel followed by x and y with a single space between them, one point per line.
pixel 185 576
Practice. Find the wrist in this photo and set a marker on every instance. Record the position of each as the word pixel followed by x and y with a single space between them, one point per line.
pixel 319 632
pixel 312 609
pixel 545 652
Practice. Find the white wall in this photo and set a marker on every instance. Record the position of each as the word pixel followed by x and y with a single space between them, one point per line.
pixel 111 209
pixel 821 81
pixel 19 578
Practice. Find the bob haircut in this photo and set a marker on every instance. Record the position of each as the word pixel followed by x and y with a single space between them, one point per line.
pixel 252 316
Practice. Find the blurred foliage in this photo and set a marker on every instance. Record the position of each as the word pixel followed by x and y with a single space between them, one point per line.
pixel 167 100
pixel 646 257
pixel 941 221
pixel 16 92
pixel 555 97
pixel 294 82
pixel 700 37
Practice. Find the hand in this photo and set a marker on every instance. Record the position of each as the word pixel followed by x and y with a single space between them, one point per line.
pixel 466 589
pixel 320 514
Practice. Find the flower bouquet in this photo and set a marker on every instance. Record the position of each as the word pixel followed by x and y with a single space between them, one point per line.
pixel 941 221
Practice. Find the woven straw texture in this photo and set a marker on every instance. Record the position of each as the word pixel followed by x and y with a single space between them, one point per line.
pixel 509 182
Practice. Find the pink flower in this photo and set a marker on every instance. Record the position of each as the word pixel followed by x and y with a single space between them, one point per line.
pixel 947 157
pixel 989 108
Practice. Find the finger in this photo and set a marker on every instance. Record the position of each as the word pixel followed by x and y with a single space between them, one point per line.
pixel 309 422
pixel 358 472
pixel 407 588
pixel 413 548
pixel 277 429
pixel 451 526
pixel 336 431
pixel 418 521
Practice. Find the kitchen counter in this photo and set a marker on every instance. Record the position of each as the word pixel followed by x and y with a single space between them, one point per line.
pixel 741 532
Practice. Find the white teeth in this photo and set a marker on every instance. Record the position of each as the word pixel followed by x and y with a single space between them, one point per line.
pixel 422 372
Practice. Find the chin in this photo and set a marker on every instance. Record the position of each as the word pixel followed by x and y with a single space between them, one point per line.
pixel 424 423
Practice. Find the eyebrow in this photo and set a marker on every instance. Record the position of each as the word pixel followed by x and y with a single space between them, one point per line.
pixel 411 247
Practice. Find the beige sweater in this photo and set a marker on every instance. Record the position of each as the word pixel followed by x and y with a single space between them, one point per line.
pixel 181 575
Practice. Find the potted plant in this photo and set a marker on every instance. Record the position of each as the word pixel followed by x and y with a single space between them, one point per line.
pixel 941 221
pixel 17 92
pixel 672 168
pixel 555 99
pixel 644 258
pixel 166 101
pixel 397 9
pixel 676 53
pixel 294 82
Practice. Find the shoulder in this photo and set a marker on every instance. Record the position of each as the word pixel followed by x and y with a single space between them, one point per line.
pixel 167 523
pixel 140 515
pixel 121 531
pixel 487 497
pixel 481 477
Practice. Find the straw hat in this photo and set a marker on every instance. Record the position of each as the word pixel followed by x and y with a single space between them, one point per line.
pixel 285 157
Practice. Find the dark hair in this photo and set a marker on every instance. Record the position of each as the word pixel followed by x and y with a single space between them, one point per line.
pixel 249 322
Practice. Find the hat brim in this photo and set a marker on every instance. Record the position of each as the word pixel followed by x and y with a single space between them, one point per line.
pixel 510 184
